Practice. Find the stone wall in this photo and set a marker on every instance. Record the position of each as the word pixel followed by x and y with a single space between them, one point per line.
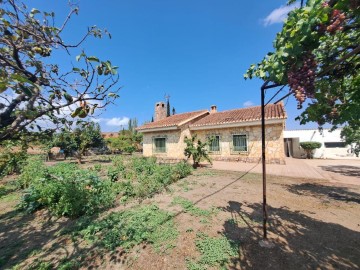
pixel 274 143
pixel 175 143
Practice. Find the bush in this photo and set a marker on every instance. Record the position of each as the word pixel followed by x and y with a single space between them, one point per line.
pixel 143 177
pixel 67 190
pixel 11 162
pixel 33 169
pixel 309 148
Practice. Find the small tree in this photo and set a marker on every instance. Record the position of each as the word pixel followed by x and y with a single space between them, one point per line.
pixel 198 150
pixel 351 136
pixel 309 148
pixel 80 140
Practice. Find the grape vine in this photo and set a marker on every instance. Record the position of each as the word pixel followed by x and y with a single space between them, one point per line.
pixel 301 80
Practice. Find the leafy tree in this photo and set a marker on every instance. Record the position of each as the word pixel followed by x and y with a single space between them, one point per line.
pixel 197 150
pixel 309 148
pixel 127 141
pixel 352 137
pixel 77 142
pixel 66 141
pixel 173 111
pixel 317 53
pixel 33 86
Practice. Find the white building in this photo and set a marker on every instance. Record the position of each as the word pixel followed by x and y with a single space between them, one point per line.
pixel 332 146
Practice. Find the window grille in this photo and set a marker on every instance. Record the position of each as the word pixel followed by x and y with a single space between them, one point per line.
pixel 160 145
pixel 240 143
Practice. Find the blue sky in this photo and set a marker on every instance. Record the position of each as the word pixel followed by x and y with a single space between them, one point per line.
pixel 195 51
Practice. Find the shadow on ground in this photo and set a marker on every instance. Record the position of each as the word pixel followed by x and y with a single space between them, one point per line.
pixel 343 169
pixel 327 192
pixel 301 242
pixel 23 236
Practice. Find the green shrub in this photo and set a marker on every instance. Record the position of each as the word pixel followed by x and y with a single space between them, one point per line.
pixel 68 191
pixel 143 177
pixel 97 167
pixel 309 148
pixel 33 169
pixel 11 162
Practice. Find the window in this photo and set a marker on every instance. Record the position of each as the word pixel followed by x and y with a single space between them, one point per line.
pixel 160 145
pixel 335 145
pixel 214 145
pixel 239 143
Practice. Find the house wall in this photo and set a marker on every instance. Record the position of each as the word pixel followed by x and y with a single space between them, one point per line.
pixel 315 136
pixel 175 143
pixel 274 143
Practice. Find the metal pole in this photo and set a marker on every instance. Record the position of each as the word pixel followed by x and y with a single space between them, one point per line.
pixel 263 156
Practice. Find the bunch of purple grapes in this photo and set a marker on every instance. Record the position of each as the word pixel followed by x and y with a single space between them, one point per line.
pixel 336 22
pixel 301 79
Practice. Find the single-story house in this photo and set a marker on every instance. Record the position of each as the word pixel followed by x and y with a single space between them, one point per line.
pixel 236 133
pixel 332 146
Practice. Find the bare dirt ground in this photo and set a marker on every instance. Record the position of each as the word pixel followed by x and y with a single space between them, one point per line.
pixel 313 224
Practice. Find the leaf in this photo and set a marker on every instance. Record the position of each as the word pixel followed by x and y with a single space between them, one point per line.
pixel 68 97
pixel 76 112
pixel 93 59
pixel 114 95
pixel 26 90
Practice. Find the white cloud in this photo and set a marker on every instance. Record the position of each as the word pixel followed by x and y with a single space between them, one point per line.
pixel 248 103
pixel 278 15
pixel 117 121
pixel 112 122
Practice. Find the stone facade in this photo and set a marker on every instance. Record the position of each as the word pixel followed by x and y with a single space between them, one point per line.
pixel 175 143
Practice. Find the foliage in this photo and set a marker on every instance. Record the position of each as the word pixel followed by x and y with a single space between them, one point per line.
pixel 143 177
pixel 66 190
pixel 215 251
pixel 32 85
pixel 11 158
pixel 128 141
pixel 309 148
pixel 132 227
pixel 80 140
pixel 34 167
pixel 198 151
pixel 189 207
pixel 352 137
pixel 317 54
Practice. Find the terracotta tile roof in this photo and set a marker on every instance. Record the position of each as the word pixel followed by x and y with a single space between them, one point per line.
pixel 272 111
pixel 172 121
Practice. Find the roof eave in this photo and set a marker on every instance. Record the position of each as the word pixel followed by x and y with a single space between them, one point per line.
pixel 158 129
pixel 238 124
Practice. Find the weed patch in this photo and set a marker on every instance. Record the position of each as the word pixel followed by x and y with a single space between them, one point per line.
pixel 131 227
pixel 215 251
pixel 189 207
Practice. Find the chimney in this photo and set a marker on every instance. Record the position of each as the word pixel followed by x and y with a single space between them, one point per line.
pixel 160 111
pixel 213 109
